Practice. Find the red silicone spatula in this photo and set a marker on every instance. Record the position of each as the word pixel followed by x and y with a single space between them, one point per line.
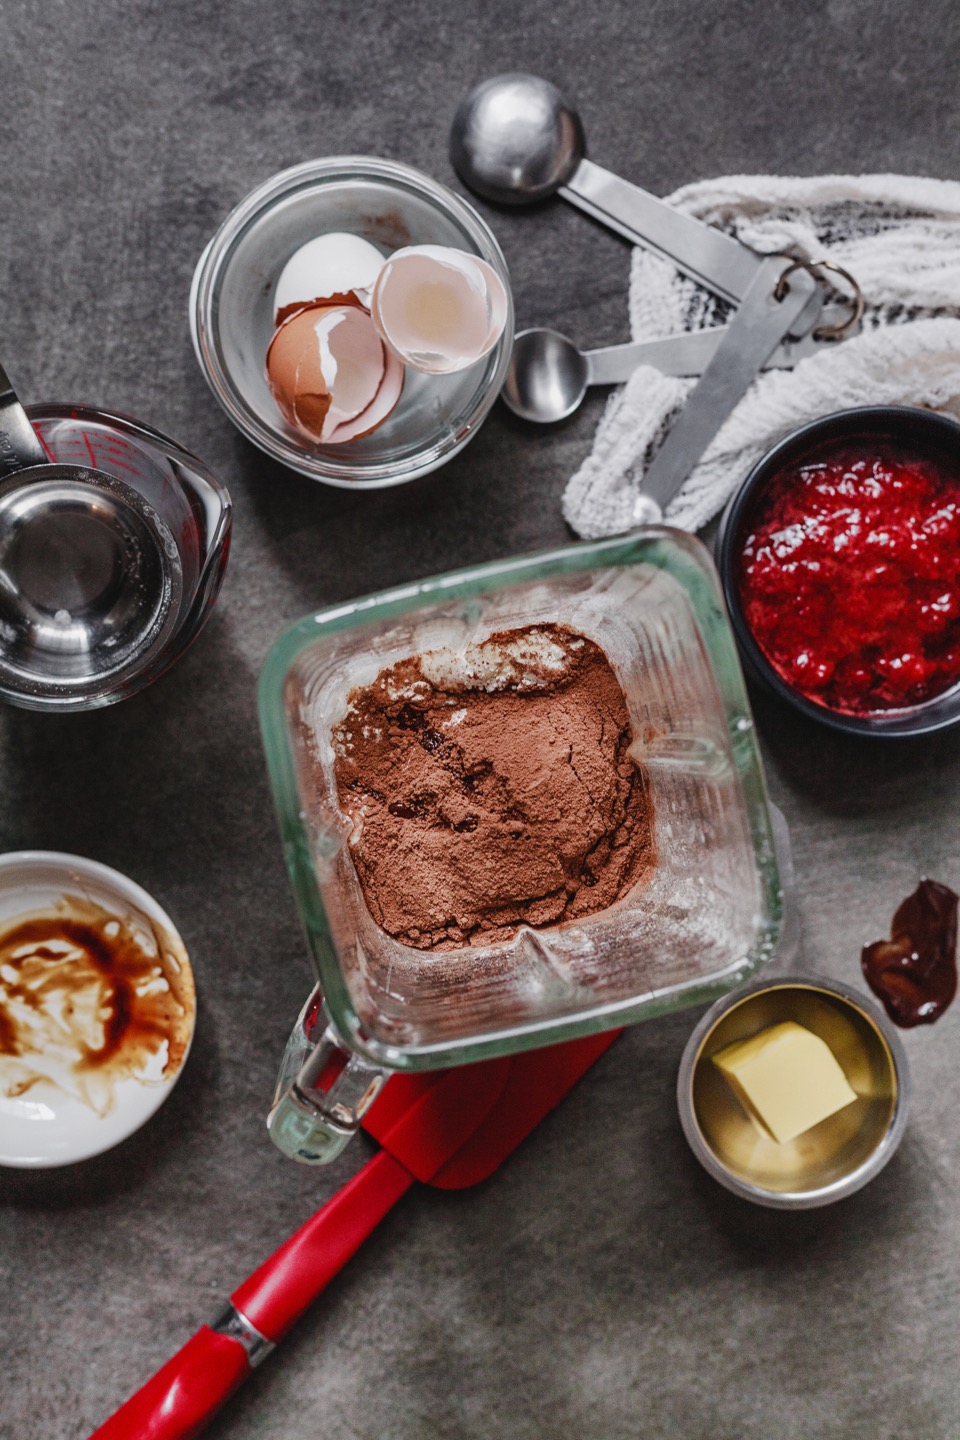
pixel 492 1106
pixel 538 1081
pixel 422 1122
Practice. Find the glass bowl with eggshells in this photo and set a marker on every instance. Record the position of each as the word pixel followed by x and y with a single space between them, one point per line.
pixel 349 411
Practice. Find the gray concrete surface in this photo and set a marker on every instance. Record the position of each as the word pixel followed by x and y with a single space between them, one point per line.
pixel 601 1284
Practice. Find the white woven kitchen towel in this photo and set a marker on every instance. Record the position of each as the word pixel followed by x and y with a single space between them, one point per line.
pixel 899 236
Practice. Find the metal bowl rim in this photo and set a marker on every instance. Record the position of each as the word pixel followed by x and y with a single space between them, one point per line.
pixel 838 1189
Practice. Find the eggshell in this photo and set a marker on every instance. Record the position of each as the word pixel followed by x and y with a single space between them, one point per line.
pixel 336 268
pixel 382 404
pixel 438 309
pixel 325 366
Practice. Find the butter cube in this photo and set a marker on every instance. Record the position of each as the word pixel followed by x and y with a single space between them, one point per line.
pixel 786 1078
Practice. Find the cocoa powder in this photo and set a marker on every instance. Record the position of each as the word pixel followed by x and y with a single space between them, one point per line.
pixel 492 789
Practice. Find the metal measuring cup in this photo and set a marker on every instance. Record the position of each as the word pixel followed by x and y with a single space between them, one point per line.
pixel 91 578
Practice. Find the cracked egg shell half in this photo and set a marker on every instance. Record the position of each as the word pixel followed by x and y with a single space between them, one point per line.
pixel 332 269
pixel 438 309
pixel 331 375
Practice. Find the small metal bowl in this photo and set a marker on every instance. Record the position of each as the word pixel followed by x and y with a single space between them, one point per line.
pixel 232 314
pixel 834 1158
pixel 924 431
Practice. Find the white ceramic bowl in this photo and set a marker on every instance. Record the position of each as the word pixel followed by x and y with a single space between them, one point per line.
pixel 44 1125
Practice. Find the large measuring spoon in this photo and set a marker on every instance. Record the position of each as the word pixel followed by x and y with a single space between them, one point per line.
pixel 515 140
pixel 90 575
pixel 549 375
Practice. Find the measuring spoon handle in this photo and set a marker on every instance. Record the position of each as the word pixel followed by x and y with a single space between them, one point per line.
pixel 715 260
pixel 753 334
pixel 689 352
pixel 19 445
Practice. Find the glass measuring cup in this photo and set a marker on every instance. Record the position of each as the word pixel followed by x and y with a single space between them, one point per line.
pixel 113 545
pixel 710 915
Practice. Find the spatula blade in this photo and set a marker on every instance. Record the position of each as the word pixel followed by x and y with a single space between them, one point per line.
pixel 422 1121
pixel 537 1082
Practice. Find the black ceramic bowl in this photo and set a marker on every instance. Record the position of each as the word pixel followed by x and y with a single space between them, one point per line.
pixel 933 436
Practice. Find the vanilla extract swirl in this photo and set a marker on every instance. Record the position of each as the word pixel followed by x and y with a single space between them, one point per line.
pixel 89 998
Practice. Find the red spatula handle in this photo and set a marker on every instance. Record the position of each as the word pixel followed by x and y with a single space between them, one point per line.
pixel 183 1397
pixel 285 1285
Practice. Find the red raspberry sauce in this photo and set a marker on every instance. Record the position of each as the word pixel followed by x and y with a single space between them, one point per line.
pixel 849 578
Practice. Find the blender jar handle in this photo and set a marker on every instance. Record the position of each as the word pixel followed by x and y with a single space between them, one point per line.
pixel 323 1090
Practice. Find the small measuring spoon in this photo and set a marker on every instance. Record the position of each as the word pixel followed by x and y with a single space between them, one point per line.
pixel 90 575
pixel 549 375
pixel 516 140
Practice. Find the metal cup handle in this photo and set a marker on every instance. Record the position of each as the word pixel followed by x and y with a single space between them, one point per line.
pixel 19 445
pixel 323 1090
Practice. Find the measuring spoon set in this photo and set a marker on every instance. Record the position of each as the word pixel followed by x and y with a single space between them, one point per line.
pixel 515 140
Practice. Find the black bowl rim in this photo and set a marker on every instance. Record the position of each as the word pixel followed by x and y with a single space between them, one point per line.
pixel 894 421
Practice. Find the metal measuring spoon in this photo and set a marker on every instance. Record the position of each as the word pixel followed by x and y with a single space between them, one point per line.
pixel 549 375
pixel 20 446
pixel 767 314
pixel 515 140
pixel 90 575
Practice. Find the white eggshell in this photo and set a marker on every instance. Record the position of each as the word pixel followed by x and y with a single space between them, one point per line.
pixel 337 264
pixel 438 309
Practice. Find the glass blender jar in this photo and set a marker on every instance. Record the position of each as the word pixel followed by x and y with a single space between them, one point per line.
pixel 706 920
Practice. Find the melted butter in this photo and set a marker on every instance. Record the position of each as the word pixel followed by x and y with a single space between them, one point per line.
pixel 89 998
